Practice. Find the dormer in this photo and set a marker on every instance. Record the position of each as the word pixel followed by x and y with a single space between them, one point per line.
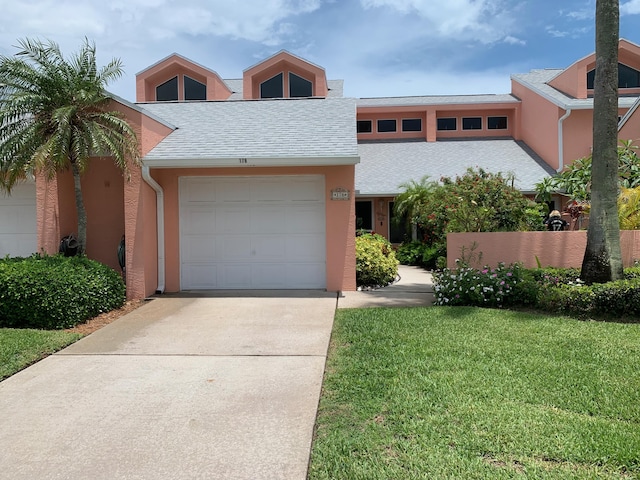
pixel 177 78
pixel 284 75
pixel 577 80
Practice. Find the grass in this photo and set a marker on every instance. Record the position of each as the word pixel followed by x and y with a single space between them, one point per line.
pixel 20 348
pixel 452 393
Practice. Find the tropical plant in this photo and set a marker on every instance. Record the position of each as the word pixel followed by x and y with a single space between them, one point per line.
pixel 629 208
pixel 54 116
pixel 602 260
pixel 409 203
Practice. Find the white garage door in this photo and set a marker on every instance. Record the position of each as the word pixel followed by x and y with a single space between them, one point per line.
pixel 252 232
pixel 18 237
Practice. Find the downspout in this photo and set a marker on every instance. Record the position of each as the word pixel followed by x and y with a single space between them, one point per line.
pixel 561 140
pixel 146 175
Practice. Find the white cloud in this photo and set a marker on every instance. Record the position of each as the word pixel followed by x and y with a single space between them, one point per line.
pixel 632 7
pixel 514 41
pixel 486 21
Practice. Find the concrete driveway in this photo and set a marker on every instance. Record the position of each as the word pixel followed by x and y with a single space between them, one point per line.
pixel 222 387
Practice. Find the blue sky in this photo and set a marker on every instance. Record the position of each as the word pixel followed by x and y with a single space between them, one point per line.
pixel 378 47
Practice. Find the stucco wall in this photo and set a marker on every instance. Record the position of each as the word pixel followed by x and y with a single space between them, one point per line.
pixel 555 249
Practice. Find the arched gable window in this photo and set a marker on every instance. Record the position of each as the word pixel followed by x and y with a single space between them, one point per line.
pixel 194 90
pixel 272 88
pixel 299 87
pixel 167 91
pixel 627 77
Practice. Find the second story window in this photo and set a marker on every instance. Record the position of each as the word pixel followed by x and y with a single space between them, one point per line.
pixel 497 123
pixel 472 123
pixel 364 126
pixel 386 126
pixel 194 90
pixel 168 91
pixel 627 77
pixel 299 87
pixel 411 124
pixel 447 124
pixel 272 88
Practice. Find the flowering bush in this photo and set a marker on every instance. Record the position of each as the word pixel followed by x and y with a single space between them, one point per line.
pixel 497 287
pixel 376 264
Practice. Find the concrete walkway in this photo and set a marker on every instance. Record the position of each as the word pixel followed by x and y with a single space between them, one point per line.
pixel 181 388
pixel 414 288
pixel 213 385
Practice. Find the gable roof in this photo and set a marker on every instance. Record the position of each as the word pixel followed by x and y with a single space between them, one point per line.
pixel 264 132
pixel 385 166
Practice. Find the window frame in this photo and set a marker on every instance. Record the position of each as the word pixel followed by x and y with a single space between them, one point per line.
pixel 281 75
pixel 413 120
pixel 358 122
pixel 301 78
pixel 468 119
pixel 184 88
pixel 497 126
pixel 455 124
pixel 395 125
pixel 177 89
pixel 371 220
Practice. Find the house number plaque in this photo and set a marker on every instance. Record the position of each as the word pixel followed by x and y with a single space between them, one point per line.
pixel 340 194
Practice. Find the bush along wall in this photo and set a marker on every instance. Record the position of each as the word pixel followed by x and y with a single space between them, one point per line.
pixel 56 292
pixel 376 263
pixel 553 290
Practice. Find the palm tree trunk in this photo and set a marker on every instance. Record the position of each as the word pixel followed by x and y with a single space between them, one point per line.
pixel 80 210
pixel 602 260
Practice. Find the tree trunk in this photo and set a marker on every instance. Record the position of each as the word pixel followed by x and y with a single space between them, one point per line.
pixel 602 258
pixel 80 210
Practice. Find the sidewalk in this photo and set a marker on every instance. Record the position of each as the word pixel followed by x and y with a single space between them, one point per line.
pixel 413 289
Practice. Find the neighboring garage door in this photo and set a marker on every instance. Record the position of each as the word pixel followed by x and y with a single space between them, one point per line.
pixel 18 237
pixel 263 232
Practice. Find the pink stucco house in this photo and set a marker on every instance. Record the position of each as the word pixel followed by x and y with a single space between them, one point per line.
pixel 260 182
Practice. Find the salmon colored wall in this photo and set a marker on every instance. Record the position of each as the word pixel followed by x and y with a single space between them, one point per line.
pixel 573 80
pixel 538 123
pixel 553 249
pixel 631 128
pixel 578 135
pixel 340 219
pixel 484 132
pixel 392 115
pixel 283 62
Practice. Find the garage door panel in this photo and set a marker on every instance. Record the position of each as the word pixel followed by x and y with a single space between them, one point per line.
pixel 305 218
pixel 199 220
pixel 18 219
pixel 201 190
pixel 269 220
pixel 199 248
pixel 202 276
pixel 264 232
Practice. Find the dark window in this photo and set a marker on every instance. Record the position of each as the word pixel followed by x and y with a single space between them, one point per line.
pixel 411 125
pixel 497 123
pixel 447 124
pixel 364 126
pixel 364 215
pixel 299 87
pixel 194 90
pixel 272 88
pixel 472 123
pixel 168 91
pixel 386 126
pixel 627 77
pixel 397 226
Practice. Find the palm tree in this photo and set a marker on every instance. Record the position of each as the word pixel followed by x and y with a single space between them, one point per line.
pixel 602 260
pixel 54 117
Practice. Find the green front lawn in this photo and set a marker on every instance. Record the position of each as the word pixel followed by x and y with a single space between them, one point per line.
pixel 20 348
pixel 469 393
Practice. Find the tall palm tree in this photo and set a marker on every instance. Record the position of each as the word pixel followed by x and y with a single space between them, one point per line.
pixel 602 260
pixel 54 116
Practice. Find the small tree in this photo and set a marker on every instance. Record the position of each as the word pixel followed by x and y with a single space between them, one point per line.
pixel 54 116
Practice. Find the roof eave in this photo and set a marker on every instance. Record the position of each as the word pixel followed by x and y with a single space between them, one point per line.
pixel 226 162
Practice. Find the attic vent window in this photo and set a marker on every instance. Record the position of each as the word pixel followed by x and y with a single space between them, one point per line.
pixel 627 77
pixel 272 88
pixel 194 90
pixel 168 91
pixel 299 87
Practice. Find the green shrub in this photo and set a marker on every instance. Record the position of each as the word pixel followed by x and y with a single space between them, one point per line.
pixel 420 254
pixel 576 299
pixel 376 263
pixel 497 287
pixel 55 292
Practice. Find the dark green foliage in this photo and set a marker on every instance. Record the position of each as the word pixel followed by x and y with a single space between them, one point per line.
pixel 420 254
pixel 376 263
pixel 554 290
pixel 55 292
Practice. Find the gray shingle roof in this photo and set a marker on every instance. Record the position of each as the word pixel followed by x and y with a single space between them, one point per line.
pixel 537 80
pixel 211 132
pixel 436 100
pixel 384 166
